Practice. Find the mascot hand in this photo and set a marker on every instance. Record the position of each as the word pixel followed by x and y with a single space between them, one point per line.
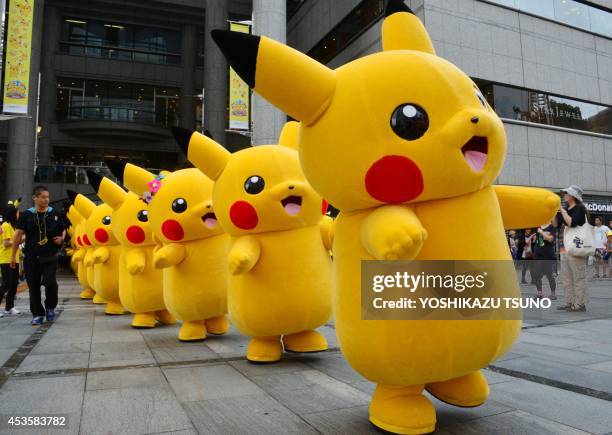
pixel 244 255
pixel 168 255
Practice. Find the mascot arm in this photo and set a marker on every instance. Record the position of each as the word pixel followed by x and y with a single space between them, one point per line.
pixel 88 259
pixel 169 255
pixel 327 232
pixel 101 254
pixel 78 255
pixel 135 261
pixel 393 232
pixel 526 207
pixel 244 255
pixel 69 252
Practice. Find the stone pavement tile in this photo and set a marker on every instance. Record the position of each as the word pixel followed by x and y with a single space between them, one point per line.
pixel 508 355
pixel 601 349
pixel 448 415
pixel 121 378
pixel 56 345
pixel 5 354
pixel 310 391
pixel 176 432
pixel 32 396
pixel 550 369
pixel 179 353
pixel 566 356
pixel 283 366
pixel 109 336
pixel 132 410
pixel 67 333
pixel 515 422
pixel 330 335
pixel 342 421
pixel 120 353
pixel 251 414
pixel 13 341
pixel 365 387
pixel 40 363
pixel 218 381
pixel 569 330
pixel 333 365
pixel 230 345
pixel 561 342
pixel 565 407
pixel 605 366
pixel 163 338
pixel 495 378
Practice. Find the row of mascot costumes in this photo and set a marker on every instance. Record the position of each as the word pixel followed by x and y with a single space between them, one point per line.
pixel 395 140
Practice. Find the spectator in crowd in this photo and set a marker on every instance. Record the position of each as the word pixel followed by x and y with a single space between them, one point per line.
pixel 573 268
pixel 528 239
pixel 543 259
pixel 44 232
pixel 600 247
pixel 10 276
pixel 512 243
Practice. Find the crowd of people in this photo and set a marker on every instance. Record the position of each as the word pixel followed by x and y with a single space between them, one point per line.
pixel 541 252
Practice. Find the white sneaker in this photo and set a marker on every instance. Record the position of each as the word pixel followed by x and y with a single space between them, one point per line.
pixel 2 314
pixel 14 311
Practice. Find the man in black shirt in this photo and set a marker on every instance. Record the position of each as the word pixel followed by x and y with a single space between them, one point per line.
pixel 573 268
pixel 44 230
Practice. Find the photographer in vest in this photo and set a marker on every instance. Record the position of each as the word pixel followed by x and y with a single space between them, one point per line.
pixel 44 236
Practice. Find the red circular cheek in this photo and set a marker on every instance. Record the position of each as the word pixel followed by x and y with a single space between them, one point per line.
pixel 172 230
pixel 243 215
pixel 79 241
pixel 324 206
pixel 86 240
pixel 135 234
pixel 394 179
pixel 101 235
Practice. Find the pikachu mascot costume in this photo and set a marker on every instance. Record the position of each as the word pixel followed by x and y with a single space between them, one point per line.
pixel 397 140
pixel 140 284
pixel 193 255
pixel 79 251
pixel 106 250
pixel 280 282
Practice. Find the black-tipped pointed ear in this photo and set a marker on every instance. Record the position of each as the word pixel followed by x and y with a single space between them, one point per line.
pixel 94 179
pixel 116 166
pixel 182 137
pixel 394 6
pixel 240 49
pixel 71 195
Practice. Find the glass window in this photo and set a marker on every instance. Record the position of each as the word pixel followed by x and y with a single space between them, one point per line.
pixel 572 13
pixel 544 8
pixel 601 21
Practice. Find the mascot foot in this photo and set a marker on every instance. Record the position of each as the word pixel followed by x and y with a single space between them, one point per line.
pixel 165 317
pixel 467 391
pixel 402 410
pixel 143 320
pixel 87 294
pixel 305 341
pixel 217 325
pixel 194 330
pixel 114 308
pixel 97 299
pixel 264 350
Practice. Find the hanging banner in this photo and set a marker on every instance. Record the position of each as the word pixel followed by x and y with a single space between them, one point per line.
pixel 18 50
pixel 238 92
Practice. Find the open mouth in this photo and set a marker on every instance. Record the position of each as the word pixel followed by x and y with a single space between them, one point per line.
pixel 475 152
pixel 210 220
pixel 292 205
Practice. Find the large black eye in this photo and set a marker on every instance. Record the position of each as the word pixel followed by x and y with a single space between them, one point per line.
pixel 106 220
pixel 179 205
pixel 254 184
pixel 143 216
pixel 409 121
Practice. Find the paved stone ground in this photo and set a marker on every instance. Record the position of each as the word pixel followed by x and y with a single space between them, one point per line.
pixel 111 379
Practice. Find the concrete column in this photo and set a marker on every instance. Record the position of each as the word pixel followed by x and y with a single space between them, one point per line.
pixel 215 72
pixel 187 102
pixel 22 131
pixel 48 86
pixel 269 19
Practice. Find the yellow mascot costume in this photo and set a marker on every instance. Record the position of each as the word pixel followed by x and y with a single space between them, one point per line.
pixel 398 140
pixel 193 255
pixel 105 256
pixel 280 282
pixel 79 251
pixel 140 284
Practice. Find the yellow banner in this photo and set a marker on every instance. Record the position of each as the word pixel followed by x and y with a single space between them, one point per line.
pixel 18 49
pixel 238 92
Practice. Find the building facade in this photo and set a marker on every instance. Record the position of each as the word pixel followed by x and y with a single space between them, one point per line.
pixel 117 73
